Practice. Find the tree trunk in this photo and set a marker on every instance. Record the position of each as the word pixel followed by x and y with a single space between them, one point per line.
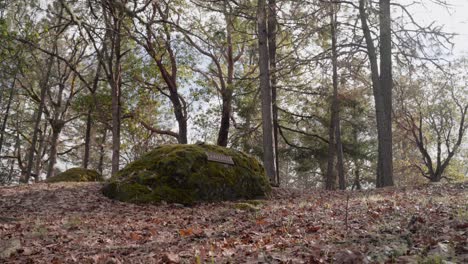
pixel 272 30
pixel 357 175
pixel 180 117
pixel 267 108
pixel 335 147
pixel 223 133
pixel 226 93
pixel 44 83
pixel 7 113
pixel 41 149
pixel 89 119
pixel 100 166
pixel 384 162
pixel 56 126
pixel 116 118
pixel 87 143
pixel 386 174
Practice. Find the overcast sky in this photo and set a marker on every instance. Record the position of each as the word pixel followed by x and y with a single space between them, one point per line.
pixel 455 20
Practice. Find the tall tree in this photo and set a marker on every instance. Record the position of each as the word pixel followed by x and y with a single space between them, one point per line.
pixel 269 152
pixel 335 146
pixel 155 33
pixel 272 27
pixel 382 84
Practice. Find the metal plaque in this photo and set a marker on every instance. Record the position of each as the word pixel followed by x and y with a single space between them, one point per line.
pixel 220 158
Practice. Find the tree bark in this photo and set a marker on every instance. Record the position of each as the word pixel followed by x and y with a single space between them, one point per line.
pixel 265 87
pixel 87 143
pixel 100 166
pixel 56 125
pixel 272 31
pixel 335 147
pixel 226 92
pixel 7 113
pixel 89 119
pixel 385 178
pixel 383 118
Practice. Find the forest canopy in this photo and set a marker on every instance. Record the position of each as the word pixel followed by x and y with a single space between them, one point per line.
pixel 332 94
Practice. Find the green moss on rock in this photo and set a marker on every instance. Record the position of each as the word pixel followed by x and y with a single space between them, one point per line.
pixel 182 174
pixel 77 175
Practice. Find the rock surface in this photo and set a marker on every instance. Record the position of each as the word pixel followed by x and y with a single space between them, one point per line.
pixel 183 174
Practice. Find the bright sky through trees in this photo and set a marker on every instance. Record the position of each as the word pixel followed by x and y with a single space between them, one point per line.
pixel 454 19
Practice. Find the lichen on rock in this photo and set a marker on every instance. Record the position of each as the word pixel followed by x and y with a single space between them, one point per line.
pixel 183 174
pixel 77 175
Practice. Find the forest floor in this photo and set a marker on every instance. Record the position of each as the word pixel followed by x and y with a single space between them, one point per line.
pixel 75 223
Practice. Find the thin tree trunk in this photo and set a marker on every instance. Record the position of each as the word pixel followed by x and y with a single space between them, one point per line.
pixel 7 113
pixel 334 133
pixel 339 156
pixel 267 108
pixel 89 119
pixel 357 175
pixel 87 143
pixel 116 94
pixel 330 178
pixel 336 101
pixel 116 118
pixel 272 30
pixel 226 93
pixel 44 84
pixel 41 149
pixel 100 166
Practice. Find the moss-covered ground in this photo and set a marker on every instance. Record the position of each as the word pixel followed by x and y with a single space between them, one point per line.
pixel 77 175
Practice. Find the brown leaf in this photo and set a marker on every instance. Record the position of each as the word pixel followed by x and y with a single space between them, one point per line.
pixel 313 229
pixel 135 237
pixel 186 232
pixel 170 258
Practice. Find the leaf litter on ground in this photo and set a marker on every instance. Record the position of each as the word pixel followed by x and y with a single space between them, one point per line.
pixel 75 223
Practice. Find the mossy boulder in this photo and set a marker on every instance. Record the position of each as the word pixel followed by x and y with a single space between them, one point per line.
pixel 183 174
pixel 77 175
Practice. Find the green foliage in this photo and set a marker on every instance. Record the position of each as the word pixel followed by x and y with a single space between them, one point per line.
pixel 77 175
pixel 182 174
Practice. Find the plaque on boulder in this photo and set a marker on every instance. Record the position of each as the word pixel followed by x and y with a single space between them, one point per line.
pixel 220 158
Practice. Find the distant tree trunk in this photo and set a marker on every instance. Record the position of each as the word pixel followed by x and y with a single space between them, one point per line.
pixel 335 147
pixel 383 117
pixel 267 107
pixel 100 166
pixel 116 120
pixel 113 60
pixel 339 157
pixel 89 119
pixel 41 149
pixel 226 91
pixel 57 126
pixel 40 110
pixel 272 30
pixel 357 175
pixel 7 113
pixel 87 143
